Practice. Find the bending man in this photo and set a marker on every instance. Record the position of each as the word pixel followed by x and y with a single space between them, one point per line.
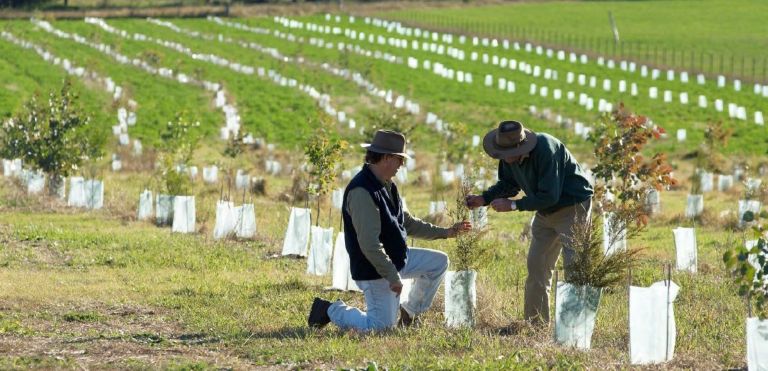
pixel 555 187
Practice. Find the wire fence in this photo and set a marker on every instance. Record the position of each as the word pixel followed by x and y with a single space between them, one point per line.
pixel 743 67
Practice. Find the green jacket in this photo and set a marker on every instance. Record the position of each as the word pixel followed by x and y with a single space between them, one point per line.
pixel 550 177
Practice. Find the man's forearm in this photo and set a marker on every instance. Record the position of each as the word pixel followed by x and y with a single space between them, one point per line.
pixel 418 228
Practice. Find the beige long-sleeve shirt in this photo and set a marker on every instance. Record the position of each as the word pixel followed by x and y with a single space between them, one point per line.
pixel 365 218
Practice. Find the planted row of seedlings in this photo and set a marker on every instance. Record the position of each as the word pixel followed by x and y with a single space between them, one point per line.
pixel 735 110
pixel 433 40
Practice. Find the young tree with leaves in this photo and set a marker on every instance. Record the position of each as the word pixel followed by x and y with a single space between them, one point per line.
pixel 178 145
pixel 623 174
pixel 623 177
pixel 323 151
pixel 55 137
pixel 749 267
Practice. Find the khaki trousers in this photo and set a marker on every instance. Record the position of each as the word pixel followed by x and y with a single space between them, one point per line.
pixel 551 233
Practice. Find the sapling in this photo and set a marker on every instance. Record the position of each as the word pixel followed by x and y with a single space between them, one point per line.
pixel 55 136
pixel 622 176
pixel 178 145
pixel 468 253
pixel 324 152
pixel 749 267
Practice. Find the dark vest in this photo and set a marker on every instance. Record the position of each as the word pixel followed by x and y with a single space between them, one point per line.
pixel 392 235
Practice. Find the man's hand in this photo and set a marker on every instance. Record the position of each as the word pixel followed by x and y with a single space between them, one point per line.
pixel 474 201
pixel 396 287
pixel 503 205
pixel 458 228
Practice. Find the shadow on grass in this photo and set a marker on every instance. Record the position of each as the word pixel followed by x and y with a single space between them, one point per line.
pixel 152 339
pixel 288 332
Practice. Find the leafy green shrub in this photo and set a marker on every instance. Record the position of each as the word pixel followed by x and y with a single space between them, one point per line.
pixel 178 145
pixel 53 137
pixel 623 176
pixel 749 267
pixel 324 153
pixel 623 172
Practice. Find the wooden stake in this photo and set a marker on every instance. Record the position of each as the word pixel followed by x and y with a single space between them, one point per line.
pixel 555 307
pixel 669 284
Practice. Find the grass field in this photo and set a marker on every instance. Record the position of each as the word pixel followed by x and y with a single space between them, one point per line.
pixel 710 26
pixel 100 289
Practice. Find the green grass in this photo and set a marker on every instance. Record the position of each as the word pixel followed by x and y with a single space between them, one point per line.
pixel 102 282
pixel 254 306
pixel 712 26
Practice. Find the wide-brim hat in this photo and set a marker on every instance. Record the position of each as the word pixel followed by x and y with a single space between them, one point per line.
pixel 387 142
pixel 511 138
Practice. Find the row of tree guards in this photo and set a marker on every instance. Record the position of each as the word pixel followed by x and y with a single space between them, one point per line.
pixel 745 67
pixel 734 110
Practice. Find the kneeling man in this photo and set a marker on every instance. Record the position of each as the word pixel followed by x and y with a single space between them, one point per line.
pixel 375 231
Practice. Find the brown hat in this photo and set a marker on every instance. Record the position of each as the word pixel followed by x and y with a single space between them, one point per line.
pixel 509 139
pixel 387 142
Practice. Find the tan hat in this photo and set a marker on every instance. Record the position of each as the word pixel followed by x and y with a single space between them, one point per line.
pixel 387 142
pixel 509 139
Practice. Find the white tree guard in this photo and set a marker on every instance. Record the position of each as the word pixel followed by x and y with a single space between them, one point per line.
pixel 342 275
pixel 694 206
pixel 724 182
pixel 459 171
pixel 707 181
pixel 575 313
pixel 448 176
pixel 685 249
pixel 164 209
pixel 183 214
pixel 35 182
pixel 242 180
pixel 460 298
pixel 210 174
pixel 145 205
pixel 653 201
pixel 297 234
pixel 94 194
pixel 12 167
pixel 436 207
pixel 246 221
pixel 402 175
pixel 757 344
pixel 614 238
pixel 337 198
pixel 61 191
pixel 320 250
pixel 76 197
pixel 652 330
pixel 753 184
pixel 479 217
pixel 748 205
pixel 226 219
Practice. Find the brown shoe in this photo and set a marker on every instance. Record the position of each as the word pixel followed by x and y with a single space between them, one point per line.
pixel 406 320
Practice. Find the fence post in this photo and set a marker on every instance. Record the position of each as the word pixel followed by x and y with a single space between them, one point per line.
pixel 754 67
pixel 765 70
pixel 722 58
